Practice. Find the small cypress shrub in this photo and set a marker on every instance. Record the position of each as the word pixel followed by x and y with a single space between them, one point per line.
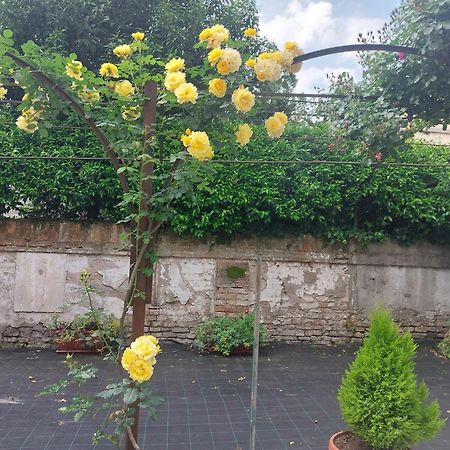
pixel 380 398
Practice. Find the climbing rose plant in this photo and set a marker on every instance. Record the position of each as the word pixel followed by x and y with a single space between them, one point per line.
pixel 212 106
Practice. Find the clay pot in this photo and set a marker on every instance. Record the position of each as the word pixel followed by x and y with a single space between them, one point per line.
pixel 78 346
pixel 331 444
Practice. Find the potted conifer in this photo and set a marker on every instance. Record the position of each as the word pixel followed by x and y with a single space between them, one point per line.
pixel 379 396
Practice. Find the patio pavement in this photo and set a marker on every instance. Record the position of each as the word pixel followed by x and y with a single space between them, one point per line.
pixel 207 399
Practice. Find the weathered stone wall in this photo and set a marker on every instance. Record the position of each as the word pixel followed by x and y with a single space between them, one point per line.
pixel 308 291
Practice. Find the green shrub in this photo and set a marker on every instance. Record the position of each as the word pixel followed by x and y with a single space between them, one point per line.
pixel 380 398
pixel 444 345
pixel 223 334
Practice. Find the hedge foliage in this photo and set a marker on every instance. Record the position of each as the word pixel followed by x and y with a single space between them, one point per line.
pixel 337 202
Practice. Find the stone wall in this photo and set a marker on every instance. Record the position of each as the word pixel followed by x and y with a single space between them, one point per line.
pixel 308 291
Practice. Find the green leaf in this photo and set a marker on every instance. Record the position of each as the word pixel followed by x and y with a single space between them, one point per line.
pixel 130 396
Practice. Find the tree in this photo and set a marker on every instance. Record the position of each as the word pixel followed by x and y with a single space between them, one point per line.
pixel 419 84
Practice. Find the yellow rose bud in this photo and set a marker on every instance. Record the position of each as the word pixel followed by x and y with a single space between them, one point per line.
pixel 250 62
pixel 199 146
pixel 123 51
pixel 250 32
pixel 109 70
pixel 128 358
pixel 3 91
pixel 131 113
pixel 173 80
pixel 282 117
pixel 243 134
pixel 74 70
pixel 138 36
pixel 140 370
pixel 175 65
pixel 218 87
pixel 214 55
pixel 124 88
pixel 186 93
pixel 243 99
pixel 274 127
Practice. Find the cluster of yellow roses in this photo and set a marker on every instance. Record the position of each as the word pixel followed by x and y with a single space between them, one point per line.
pixel 175 82
pixel 28 120
pixel 139 358
pixel 268 66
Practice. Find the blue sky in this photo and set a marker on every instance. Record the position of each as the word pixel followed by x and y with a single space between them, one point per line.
pixel 317 24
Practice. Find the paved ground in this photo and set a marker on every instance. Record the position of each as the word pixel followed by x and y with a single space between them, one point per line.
pixel 207 399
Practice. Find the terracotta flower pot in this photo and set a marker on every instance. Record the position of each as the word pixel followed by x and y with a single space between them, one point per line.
pixel 78 346
pixel 355 443
pixel 331 444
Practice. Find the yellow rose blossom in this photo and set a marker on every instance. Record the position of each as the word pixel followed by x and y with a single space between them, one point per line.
pixel 140 370
pixel 144 349
pixel 205 34
pixel 291 46
pixel 282 117
pixel 267 70
pixel 274 127
pixel 243 99
pixel 3 91
pixel 214 55
pixel 148 338
pixel 250 62
pixel 243 134
pixel 218 87
pixel 30 126
pixel 173 80
pixel 175 65
pixel 286 58
pixel 186 93
pixel 124 88
pixel 223 68
pixel 230 61
pixel 250 32
pixel 89 95
pixel 131 113
pixel 109 70
pixel 73 70
pixel 214 36
pixel 273 56
pixel 198 145
pixel 123 51
pixel 138 36
pixel 128 358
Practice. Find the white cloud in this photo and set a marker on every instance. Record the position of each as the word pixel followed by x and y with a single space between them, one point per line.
pixel 311 77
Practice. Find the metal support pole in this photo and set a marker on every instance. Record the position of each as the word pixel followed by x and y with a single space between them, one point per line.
pixel 252 440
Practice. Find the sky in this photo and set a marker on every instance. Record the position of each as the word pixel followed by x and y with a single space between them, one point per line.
pixel 317 24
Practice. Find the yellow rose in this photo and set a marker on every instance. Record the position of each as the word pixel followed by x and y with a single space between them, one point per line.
pixel 250 32
pixel 173 80
pixel 286 58
pixel 124 88
pixel 109 70
pixel 205 34
pixel 282 117
pixel 30 126
pixel 199 146
pixel 273 56
pixel 243 99
pixel 148 338
pixel 73 70
pixel 89 95
pixel 3 91
pixel 214 55
pixel 140 370
pixel 123 51
pixel 128 358
pixel 218 87
pixel 250 62
pixel 214 36
pixel 175 65
pixel 267 70
pixel 223 67
pixel 131 113
pixel 291 46
pixel 144 349
pixel 274 127
pixel 243 134
pixel 138 36
pixel 186 92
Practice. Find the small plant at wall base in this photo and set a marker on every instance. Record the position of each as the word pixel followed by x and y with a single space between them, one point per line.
pixel 444 345
pixel 226 335
pixel 380 398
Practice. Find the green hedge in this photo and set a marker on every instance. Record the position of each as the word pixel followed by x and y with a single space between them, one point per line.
pixel 336 202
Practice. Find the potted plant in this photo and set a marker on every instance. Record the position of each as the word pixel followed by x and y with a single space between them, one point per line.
pixel 228 335
pixel 379 396
pixel 91 332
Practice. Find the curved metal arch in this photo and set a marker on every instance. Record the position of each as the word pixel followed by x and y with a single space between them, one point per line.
pixel 356 48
